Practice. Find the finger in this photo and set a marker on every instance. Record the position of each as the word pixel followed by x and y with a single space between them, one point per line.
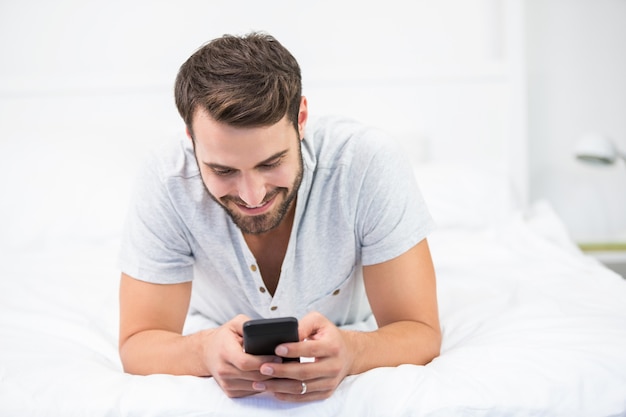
pixel 237 382
pixel 306 391
pixel 297 398
pixel 305 349
pixel 286 386
pixel 243 367
pixel 253 363
pixel 237 323
pixel 294 371
pixel 249 377
pixel 237 389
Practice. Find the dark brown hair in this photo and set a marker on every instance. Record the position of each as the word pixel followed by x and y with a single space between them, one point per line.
pixel 245 81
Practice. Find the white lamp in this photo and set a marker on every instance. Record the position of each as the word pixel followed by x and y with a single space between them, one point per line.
pixel 597 149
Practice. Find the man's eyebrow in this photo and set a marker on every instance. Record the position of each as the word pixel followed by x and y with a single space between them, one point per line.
pixel 277 155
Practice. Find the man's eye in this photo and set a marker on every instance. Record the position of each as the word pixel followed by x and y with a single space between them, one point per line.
pixel 223 172
pixel 271 165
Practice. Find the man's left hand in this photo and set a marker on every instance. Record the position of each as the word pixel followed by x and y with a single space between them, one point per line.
pixel 332 356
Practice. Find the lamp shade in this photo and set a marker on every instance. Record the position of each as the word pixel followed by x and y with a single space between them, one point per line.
pixel 596 149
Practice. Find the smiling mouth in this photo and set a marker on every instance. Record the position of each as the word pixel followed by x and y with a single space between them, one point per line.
pixel 254 207
pixel 257 209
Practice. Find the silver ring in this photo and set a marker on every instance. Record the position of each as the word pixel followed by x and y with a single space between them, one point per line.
pixel 303 388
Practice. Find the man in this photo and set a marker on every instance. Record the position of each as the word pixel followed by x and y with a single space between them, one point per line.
pixel 270 218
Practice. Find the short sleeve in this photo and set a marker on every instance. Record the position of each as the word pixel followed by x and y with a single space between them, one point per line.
pixel 392 215
pixel 155 243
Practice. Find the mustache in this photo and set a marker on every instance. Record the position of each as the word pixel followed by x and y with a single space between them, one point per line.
pixel 268 197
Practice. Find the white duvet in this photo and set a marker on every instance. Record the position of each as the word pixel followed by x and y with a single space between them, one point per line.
pixel 531 327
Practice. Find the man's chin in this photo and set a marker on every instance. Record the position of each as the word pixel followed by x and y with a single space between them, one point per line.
pixel 253 224
pixel 256 225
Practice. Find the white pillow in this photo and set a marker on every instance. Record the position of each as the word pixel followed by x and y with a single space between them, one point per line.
pixel 465 196
pixel 65 186
pixel 71 185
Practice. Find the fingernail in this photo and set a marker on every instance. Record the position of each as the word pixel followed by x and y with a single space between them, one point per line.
pixel 281 351
pixel 267 370
pixel 258 386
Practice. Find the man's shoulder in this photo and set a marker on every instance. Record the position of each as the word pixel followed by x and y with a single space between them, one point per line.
pixel 337 128
pixel 334 138
pixel 173 159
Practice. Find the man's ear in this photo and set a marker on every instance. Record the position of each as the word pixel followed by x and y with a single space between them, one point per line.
pixel 190 136
pixel 303 116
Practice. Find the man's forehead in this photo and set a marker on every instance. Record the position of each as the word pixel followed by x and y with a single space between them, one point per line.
pixel 242 147
pixel 202 116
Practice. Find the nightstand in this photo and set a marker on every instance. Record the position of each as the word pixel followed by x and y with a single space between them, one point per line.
pixel 613 255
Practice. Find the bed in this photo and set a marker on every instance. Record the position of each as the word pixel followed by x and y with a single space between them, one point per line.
pixel 531 326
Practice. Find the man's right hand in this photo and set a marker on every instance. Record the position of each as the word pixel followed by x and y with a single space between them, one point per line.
pixel 234 370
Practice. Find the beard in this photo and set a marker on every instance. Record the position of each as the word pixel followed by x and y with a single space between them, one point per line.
pixel 265 222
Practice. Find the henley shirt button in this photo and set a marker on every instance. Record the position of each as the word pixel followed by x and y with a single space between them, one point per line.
pixel 336 292
pixel 262 289
pixel 273 308
pixel 253 267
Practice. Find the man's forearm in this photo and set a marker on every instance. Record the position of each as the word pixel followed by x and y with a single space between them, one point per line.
pixel 405 342
pixel 163 352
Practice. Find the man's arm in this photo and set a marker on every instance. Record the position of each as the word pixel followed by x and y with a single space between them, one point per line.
pixel 151 341
pixel 151 323
pixel 403 295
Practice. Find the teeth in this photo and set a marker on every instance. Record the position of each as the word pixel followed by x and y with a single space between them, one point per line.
pixel 253 207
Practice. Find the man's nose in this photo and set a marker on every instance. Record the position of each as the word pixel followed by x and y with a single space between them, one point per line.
pixel 252 189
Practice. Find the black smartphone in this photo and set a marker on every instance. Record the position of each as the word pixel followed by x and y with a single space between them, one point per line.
pixel 260 337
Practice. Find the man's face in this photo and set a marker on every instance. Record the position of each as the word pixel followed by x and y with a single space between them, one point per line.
pixel 253 173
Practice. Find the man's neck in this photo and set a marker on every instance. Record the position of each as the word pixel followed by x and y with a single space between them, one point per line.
pixel 269 249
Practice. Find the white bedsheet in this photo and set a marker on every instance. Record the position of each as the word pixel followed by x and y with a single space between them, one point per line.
pixel 531 327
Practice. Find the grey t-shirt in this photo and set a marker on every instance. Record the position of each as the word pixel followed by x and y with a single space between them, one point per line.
pixel 358 204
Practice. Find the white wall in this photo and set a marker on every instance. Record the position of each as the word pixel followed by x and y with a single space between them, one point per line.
pixel 451 71
pixel 72 47
pixel 437 68
pixel 577 84
pixel 444 69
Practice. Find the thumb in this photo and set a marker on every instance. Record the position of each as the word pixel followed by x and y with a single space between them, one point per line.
pixel 237 322
pixel 311 324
